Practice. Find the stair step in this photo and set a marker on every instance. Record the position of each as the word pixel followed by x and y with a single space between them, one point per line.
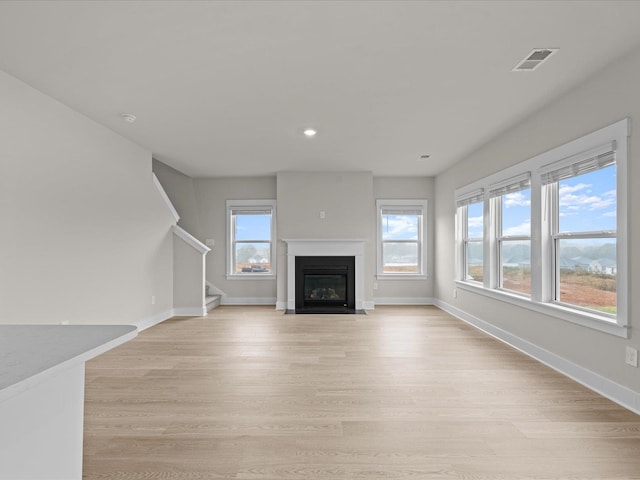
pixel 212 301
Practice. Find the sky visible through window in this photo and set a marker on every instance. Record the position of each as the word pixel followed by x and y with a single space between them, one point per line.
pixel 516 213
pixel 587 204
pixel 474 220
pixel 253 227
pixel 400 227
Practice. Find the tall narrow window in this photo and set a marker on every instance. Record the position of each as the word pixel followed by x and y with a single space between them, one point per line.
pixel 251 232
pixel 512 216
pixel 582 205
pixel 401 238
pixel 471 214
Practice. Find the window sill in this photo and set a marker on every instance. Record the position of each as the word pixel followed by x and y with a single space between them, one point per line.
pixel 578 317
pixel 250 276
pixel 400 276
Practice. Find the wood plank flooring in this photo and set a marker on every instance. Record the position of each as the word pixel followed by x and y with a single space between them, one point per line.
pixel 249 393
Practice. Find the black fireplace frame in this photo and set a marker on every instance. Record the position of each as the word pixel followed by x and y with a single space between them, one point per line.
pixel 325 265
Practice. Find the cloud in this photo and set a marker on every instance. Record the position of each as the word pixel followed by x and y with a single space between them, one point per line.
pixel 566 189
pixel 516 199
pixel 474 229
pixel 579 197
pixel 400 226
pixel 523 229
pixel 475 221
pixel 607 199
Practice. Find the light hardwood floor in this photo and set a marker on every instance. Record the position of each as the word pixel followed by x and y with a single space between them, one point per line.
pixel 249 393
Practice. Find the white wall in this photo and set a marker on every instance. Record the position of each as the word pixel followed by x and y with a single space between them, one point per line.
pixel 346 199
pixel 211 197
pixel 85 236
pixel 602 100
pixel 398 290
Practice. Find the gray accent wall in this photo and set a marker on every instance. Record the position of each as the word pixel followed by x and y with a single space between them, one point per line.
pixel 211 197
pixel 600 101
pixel 180 190
pixel 346 199
pixel 402 188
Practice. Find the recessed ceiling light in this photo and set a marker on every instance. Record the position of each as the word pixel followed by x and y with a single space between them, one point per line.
pixel 310 132
pixel 127 117
pixel 424 157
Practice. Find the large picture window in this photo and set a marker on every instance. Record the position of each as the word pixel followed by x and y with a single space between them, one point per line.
pixel 550 233
pixel 401 238
pixel 251 233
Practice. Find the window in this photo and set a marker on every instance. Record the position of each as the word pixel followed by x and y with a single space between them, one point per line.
pixel 471 217
pixel 582 210
pixel 401 238
pixel 511 207
pixel 551 234
pixel 251 234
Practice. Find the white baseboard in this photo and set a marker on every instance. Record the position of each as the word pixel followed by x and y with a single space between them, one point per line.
pixel 154 320
pixel 403 301
pixel 167 314
pixel 281 305
pixel 607 388
pixel 190 311
pixel 226 300
pixel 369 305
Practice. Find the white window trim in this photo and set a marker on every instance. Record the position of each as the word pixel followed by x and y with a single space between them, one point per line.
pixel 466 240
pixel 541 262
pixel 463 200
pixel 418 204
pixel 496 238
pixel 247 204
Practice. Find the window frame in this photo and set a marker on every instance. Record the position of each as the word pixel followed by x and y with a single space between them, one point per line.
pixel 498 238
pixel 543 263
pixel 551 192
pixel 403 204
pixel 471 198
pixel 249 205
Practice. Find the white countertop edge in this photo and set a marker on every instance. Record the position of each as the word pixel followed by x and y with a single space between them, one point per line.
pixel 52 371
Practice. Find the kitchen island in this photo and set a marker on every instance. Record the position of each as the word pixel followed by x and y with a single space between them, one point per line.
pixel 42 396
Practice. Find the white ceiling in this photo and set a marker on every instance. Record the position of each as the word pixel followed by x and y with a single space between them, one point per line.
pixel 226 88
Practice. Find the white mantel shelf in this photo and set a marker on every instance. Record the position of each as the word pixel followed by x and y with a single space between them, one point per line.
pixel 318 247
pixel 42 395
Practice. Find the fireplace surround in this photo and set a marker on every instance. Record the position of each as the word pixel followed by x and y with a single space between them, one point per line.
pixel 353 248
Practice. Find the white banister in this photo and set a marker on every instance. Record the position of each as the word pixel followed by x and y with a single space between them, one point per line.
pixel 190 239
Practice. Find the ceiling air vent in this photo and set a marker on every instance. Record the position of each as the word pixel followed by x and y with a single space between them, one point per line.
pixel 534 59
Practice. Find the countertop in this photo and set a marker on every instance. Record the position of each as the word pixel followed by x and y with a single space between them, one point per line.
pixel 29 354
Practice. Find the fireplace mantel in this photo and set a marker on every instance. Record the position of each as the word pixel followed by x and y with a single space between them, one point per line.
pixel 325 247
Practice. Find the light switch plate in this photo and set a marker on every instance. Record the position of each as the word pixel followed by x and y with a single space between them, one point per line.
pixel 632 356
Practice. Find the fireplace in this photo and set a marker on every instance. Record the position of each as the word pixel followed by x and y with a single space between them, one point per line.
pixel 325 284
pixel 326 248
